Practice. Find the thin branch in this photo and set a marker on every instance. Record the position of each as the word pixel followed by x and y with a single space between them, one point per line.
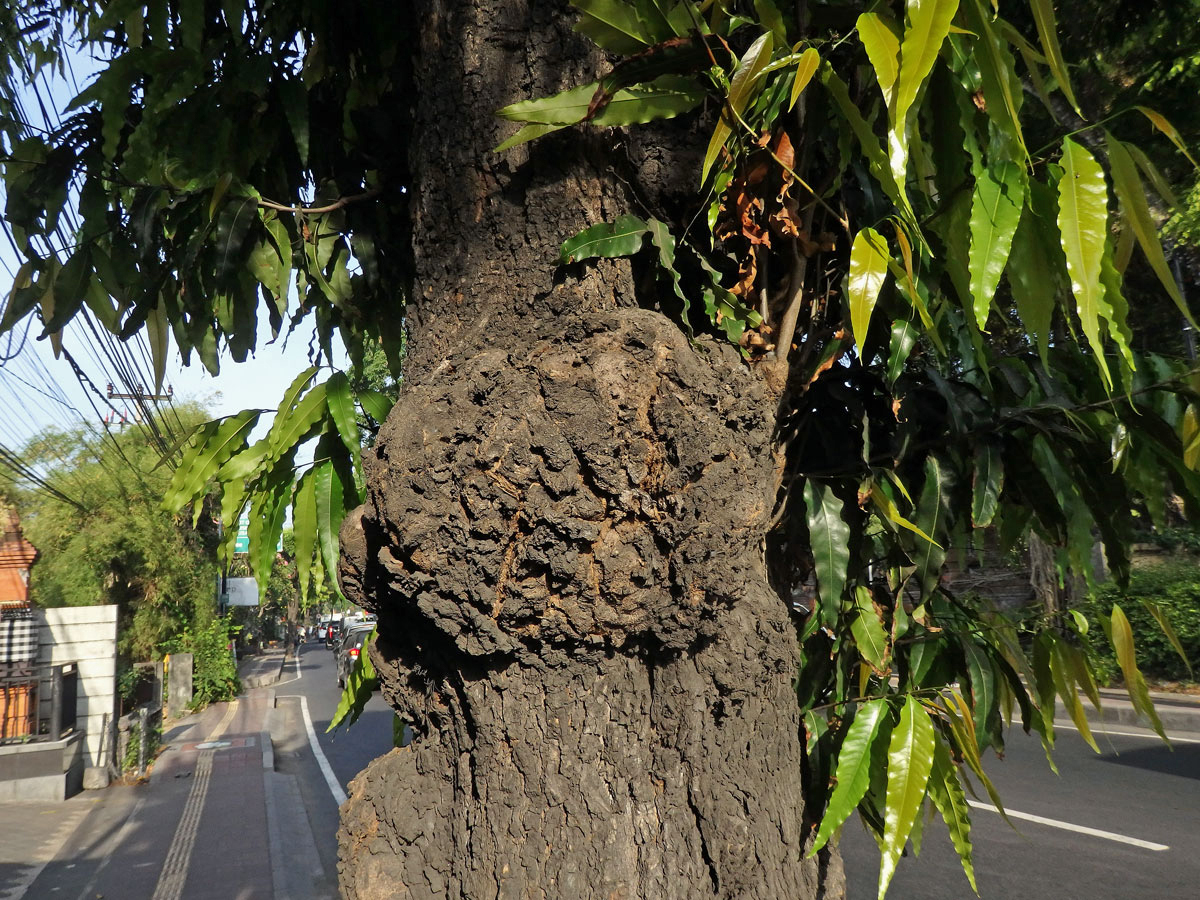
pixel 320 210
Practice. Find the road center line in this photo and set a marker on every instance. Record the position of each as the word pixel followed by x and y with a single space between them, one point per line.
pixel 1068 826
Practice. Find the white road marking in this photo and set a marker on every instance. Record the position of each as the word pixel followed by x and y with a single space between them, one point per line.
pixel 1146 734
pixel 335 786
pixel 1069 826
pixel 299 674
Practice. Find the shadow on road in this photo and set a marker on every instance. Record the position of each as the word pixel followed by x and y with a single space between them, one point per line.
pixel 1183 760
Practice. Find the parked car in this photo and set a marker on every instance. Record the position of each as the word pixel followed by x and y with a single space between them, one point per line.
pixel 353 643
pixel 322 630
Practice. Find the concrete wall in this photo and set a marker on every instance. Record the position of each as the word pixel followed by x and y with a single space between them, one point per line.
pixel 86 635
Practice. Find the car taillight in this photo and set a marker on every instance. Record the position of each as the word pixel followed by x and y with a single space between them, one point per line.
pixel 354 653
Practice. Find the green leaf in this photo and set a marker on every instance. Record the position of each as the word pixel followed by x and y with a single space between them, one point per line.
pixel 304 528
pixel 1064 681
pixel 995 213
pixel 1083 224
pixel 853 770
pixel 806 67
pixel 904 336
pixel 1047 28
pixel 983 687
pixel 292 426
pixel 741 87
pixel 360 684
pixel 158 336
pixel 867 628
pixel 527 133
pixel 268 508
pixel 623 237
pixel 1121 635
pixel 1168 630
pixel 910 761
pixel 661 237
pixel 331 510
pixel 886 506
pixel 213 444
pixel 829 537
pixel 1031 278
pixel 564 108
pixel 987 482
pixel 1133 201
pixel 663 98
pixel 375 404
pixel 613 25
pixel 868 271
pixel 946 792
pixel 1001 87
pixel 341 410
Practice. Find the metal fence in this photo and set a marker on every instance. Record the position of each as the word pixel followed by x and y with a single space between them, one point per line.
pixel 37 703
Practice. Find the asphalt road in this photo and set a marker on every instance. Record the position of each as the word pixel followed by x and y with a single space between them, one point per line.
pixel 1136 788
pixel 347 751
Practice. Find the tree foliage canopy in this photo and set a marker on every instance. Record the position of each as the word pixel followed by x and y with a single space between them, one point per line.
pixel 905 216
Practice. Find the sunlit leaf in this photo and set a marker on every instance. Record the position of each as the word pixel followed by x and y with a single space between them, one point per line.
pixel 806 67
pixel 1083 224
pixel 623 237
pixel 910 761
pixel 1121 635
pixel 995 213
pixel 946 792
pixel 1047 28
pixel 741 88
pixel 867 628
pixel 868 271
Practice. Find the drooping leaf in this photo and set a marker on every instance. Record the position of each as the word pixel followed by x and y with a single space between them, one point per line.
pixel 741 88
pixel 375 404
pixel 947 795
pixel 868 631
pixel 360 685
pixel 910 761
pixel 1160 616
pixel 1031 277
pixel 806 67
pixel 995 213
pixel 341 410
pixel 1121 635
pixel 1001 87
pixel 1047 28
pixel 331 510
pixel 304 528
pixel 1064 680
pixel 1133 202
pixel 853 769
pixel 987 482
pixel 1159 121
pixel 1083 224
pixel 868 271
pixel 829 537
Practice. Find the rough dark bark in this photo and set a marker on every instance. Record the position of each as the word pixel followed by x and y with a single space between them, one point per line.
pixel 564 536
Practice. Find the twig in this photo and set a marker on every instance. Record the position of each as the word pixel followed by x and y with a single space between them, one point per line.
pixel 319 210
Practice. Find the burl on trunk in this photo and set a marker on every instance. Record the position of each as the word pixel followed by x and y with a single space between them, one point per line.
pixel 564 534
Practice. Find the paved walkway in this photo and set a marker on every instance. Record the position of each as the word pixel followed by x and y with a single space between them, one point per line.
pixel 215 821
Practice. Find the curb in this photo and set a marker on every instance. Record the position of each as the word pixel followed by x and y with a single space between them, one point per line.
pixel 1175 712
pixel 272 675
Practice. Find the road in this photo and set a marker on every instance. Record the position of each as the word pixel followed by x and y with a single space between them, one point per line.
pixel 313 678
pixel 1136 788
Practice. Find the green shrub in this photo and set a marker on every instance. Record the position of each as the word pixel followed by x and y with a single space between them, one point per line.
pixel 214 670
pixel 1174 585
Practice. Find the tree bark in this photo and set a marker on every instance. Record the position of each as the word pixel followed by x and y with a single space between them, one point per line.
pixel 565 529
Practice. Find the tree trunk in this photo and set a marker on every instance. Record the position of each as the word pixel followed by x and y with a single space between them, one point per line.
pixel 564 534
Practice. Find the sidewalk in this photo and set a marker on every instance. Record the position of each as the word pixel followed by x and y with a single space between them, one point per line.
pixel 1178 712
pixel 215 821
